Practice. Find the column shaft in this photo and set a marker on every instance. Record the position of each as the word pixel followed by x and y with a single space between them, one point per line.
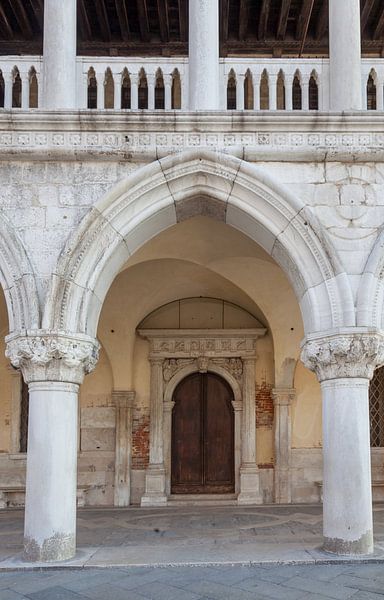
pixel 204 79
pixel 50 507
pixel 347 495
pixel 155 475
pixel 240 92
pixel 345 55
pixel 134 92
pixel 282 405
pixel 123 455
pixel 59 54
pixel 249 472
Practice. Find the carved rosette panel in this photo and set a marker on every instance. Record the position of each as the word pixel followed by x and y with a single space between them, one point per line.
pixel 348 355
pixel 52 356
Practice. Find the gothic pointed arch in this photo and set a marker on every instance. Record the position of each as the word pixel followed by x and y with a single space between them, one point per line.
pixel 92 89
pixel 143 90
pixel 280 90
pixel 159 90
pixel 231 90
pixel 173 189
pixel 109 90
pixel 264 90
pixel 16 88
pixel 17 280
pixel 248 91
pixel 176 90
pixel 33 88
pixel 125 90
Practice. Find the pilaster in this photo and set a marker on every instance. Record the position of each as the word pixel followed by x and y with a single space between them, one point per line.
pixel 283 398
pixel 124 403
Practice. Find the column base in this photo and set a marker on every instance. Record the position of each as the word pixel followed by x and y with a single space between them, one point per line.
pixel 57 548
pixel 283 486
pixel 249 486
pixel 154 487
pixel 349 547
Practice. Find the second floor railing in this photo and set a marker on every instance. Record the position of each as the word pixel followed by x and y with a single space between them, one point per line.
pixel 162 83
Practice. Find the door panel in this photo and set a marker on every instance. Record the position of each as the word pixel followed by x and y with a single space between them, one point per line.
pixel 218 424
pixel 187 451
pixel 202 436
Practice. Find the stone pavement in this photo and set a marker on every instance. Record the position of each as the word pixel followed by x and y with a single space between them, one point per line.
pixel 288 582
pixel 197 535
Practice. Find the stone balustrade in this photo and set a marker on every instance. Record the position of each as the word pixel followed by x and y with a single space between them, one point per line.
pixel 162 83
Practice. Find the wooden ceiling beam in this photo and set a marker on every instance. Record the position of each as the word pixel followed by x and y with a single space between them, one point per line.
pixel 122 15
pixel 263 21
pixel 379 30
pixel 322 21
pixel 243 19
pixel 143 19
pixel 365 13
pixel 38 11
pixel 102 16
pixel 304 18
pixel 21 17
pixel 183 19
pixel 224 21
pixel 84 24
pixel 283 19
pixel 162 9
pixel 5 25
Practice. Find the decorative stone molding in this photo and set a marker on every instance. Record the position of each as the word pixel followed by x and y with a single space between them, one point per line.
pixel 52 356
pixel 173 355
pixel 283 396
pixel 179 344
pixel 344 354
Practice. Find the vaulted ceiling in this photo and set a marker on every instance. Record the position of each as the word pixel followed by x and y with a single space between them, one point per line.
pixel 160 27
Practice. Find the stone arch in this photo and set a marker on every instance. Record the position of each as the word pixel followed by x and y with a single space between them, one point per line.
pixel 173 189
pixel 17 280
pixel 231 90
pixel 189 369
pixel 370 295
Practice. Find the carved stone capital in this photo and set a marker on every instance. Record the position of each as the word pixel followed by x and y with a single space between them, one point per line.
pixel 44 355
pixel 283 396
pixel 123 399
pixel 354 354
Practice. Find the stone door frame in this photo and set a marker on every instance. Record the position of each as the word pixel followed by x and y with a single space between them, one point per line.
pixel 175 354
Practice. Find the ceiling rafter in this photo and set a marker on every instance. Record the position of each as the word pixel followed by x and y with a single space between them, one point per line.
pixel 162 9
pixel 183 19
pixel 379 30
pixel 304 18
pixel 143 19
pixel 102 16
pixel 365 13
pixel 21 16
pixel 224 21
pixel 263 21
pixel 243 19
pixel 122 14
pixel 322 21
pixel 283 19
pixel 38 11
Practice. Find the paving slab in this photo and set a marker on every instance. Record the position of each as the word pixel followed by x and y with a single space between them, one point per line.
pixel 196 535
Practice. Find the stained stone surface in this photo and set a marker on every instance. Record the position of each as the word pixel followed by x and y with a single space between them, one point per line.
pixel 203 535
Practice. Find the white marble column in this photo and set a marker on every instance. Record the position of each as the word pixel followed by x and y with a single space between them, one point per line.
pixel 53 365
pixel 8 83
pixel 155 476
pixel 256 90
pixel 240 92
pixel 305 94
pixel 288 83
pixel 380 93
pixel 168 92
pixel 100 79
pixel 134 91
pixel 151 82
pixel 249 472
pixel 282 398
pixel 117 94
pixel 345 55
pixel 204 77
pixel 273 91
pixel 344 365
pixel 123 402
pixel 59 54
pixel 24 90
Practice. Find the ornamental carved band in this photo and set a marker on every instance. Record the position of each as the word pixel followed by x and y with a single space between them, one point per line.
pixel 52 356
pixel 349 355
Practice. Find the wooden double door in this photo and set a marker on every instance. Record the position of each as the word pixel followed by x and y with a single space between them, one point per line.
pixel 203 436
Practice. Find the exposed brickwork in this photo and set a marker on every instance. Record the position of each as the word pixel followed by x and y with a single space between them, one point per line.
pixel 264 405
pixel 140 439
